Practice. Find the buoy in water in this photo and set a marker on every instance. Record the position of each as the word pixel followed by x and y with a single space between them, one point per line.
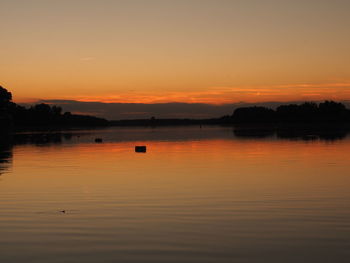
pixel 140 149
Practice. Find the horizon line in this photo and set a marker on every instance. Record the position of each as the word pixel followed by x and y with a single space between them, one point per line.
pixel 62 100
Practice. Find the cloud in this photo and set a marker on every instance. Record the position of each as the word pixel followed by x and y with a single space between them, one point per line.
pixel 227 95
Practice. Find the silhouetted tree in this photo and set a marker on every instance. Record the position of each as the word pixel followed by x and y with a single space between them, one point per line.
pixel 333 111
pixel 307 111
pixel 5 102
pixel 40 114
pixel 254 114
pixel 5 98
pixel 328 111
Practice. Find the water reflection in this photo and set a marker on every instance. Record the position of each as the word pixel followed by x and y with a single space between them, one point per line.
pixel 9 140
pixel 197 195
pixel 5 152
pixel 41 138
pixel 169 134
pixel 305 133
pixel 49 138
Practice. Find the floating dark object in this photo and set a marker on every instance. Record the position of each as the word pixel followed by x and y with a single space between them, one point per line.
pixel 98 140
pixel 63 211
pixel 140 149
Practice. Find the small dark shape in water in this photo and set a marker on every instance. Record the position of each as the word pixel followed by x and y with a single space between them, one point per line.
pixel 63 211
pixel 140 149
pixel 98 140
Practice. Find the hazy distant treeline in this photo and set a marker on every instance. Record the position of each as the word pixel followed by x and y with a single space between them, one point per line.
pixel 12 114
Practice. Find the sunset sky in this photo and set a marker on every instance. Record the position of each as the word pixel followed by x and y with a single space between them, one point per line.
pixel 152 51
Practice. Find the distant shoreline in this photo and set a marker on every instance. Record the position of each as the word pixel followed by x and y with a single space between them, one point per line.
pixel 324 115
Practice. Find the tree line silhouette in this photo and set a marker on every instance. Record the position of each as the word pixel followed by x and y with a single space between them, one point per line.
pixel 12 114
pixel 328 111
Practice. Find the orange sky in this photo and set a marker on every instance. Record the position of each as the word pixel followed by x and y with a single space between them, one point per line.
pixel 210 51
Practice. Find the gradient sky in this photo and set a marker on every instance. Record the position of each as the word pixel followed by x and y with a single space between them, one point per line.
pixel 149 51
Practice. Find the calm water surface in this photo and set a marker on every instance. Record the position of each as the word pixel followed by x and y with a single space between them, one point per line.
pixel 197 195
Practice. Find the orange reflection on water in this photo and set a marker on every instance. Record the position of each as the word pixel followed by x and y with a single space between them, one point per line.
pixel 195 198
pixel 253 166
